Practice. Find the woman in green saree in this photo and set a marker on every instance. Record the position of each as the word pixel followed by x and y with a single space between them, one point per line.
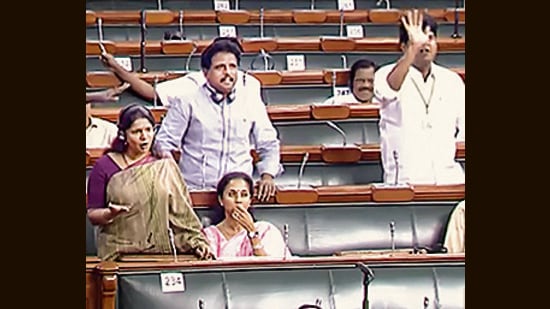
pixel 139 199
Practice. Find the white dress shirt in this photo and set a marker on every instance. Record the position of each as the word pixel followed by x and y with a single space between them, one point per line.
pixel 424 142
pixel 217 138
pixel 100 133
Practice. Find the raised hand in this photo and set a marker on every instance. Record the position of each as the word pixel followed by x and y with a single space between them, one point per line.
pixel 413 25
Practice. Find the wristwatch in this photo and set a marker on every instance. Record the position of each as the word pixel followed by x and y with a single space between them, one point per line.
pixel 254 234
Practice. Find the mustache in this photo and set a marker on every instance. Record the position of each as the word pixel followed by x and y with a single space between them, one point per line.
pixel 366 88
pixel 227 76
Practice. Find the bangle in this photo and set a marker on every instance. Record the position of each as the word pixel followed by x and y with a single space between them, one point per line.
pixel 258 246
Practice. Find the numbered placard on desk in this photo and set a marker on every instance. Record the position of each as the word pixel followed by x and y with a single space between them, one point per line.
pixel 172 282
pixel 228 31
pixel 295 63
pixel 125 62
pixel 221 5
pixel 340 91
pixel 354 31
pixel 346 5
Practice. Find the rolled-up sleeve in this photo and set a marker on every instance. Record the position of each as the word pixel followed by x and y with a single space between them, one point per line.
pixel 174 124
pixel 382 91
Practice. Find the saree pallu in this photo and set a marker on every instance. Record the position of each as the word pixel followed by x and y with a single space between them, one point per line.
pixel 158 197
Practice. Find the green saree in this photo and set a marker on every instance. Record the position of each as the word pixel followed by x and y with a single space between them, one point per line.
pixel 158 197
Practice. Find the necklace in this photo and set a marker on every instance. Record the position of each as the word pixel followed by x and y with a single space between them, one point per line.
pixel 426 103
pixel 125 160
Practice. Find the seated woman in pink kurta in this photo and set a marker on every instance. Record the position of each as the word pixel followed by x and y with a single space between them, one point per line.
pixel 237 234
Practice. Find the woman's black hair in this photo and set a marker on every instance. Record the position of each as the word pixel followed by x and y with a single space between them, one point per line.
pixel 126 118
pixel 218 210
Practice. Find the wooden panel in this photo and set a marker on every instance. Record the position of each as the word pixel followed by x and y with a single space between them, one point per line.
pixel 268 77
pixel 356 16
pixel 288 44
pixel 309 16
pixel 450 15
pixel 91 290
pixel 302 77
pixel 90 17
pixel 175 47
pixel 159 17
pixel 233 17
pixel 337 44
pixel 256 44
pixel 384 16
pixel 273 16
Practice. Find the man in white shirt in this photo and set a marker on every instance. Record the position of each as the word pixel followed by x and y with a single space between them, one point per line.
pixel 100 133
pixel 422 108
pixel 361 83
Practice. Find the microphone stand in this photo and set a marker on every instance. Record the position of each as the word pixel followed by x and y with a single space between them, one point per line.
pixel 142 42
pixel 455 34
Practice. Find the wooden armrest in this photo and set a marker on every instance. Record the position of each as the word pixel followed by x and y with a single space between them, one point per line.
pixel 369 110
pixel 392 193
pixel 326 112
pixel 377 44
pixel 445 192
pixel 102 79
pixel 90 17
pixel 384 16
pixel 298 44
pixel 356 16
pixel 233 17
pixel 159 17
pixel 342 76
pixel 385 252
pixel 450 15
pixel 272 16
pixel 340 153
pixel 204 198
pixel 256 44
pixel 174 47
pixel 92 47
pixel 289 112
pixel 111 114
pixel 156 257
pixel 302 77
pixel 309 16
pixel 268 77
pixel 133 47
pixel 199 16
pixel 337 43
pixel 119 16
pixel 450 44
pixel 294 195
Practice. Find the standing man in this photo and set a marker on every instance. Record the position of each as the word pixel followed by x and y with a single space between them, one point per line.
pixel 217 120
pixel 422 110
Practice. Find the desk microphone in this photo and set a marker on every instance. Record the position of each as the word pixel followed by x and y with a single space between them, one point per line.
pixel 142 42
pixel 285 236
pixel 333 82
pixel 344 61
pixel 189 58
pixel 455 34
pixel 435 278
pixel 339 130
pixel 180 20
pixel 155 97
pixel 341 22
pixel 392 235
pixel 262 22
pixel 379 3
pixel 172 243
pixel 236 5
pixel 312 7
pixel 302 167
pixel 100 35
